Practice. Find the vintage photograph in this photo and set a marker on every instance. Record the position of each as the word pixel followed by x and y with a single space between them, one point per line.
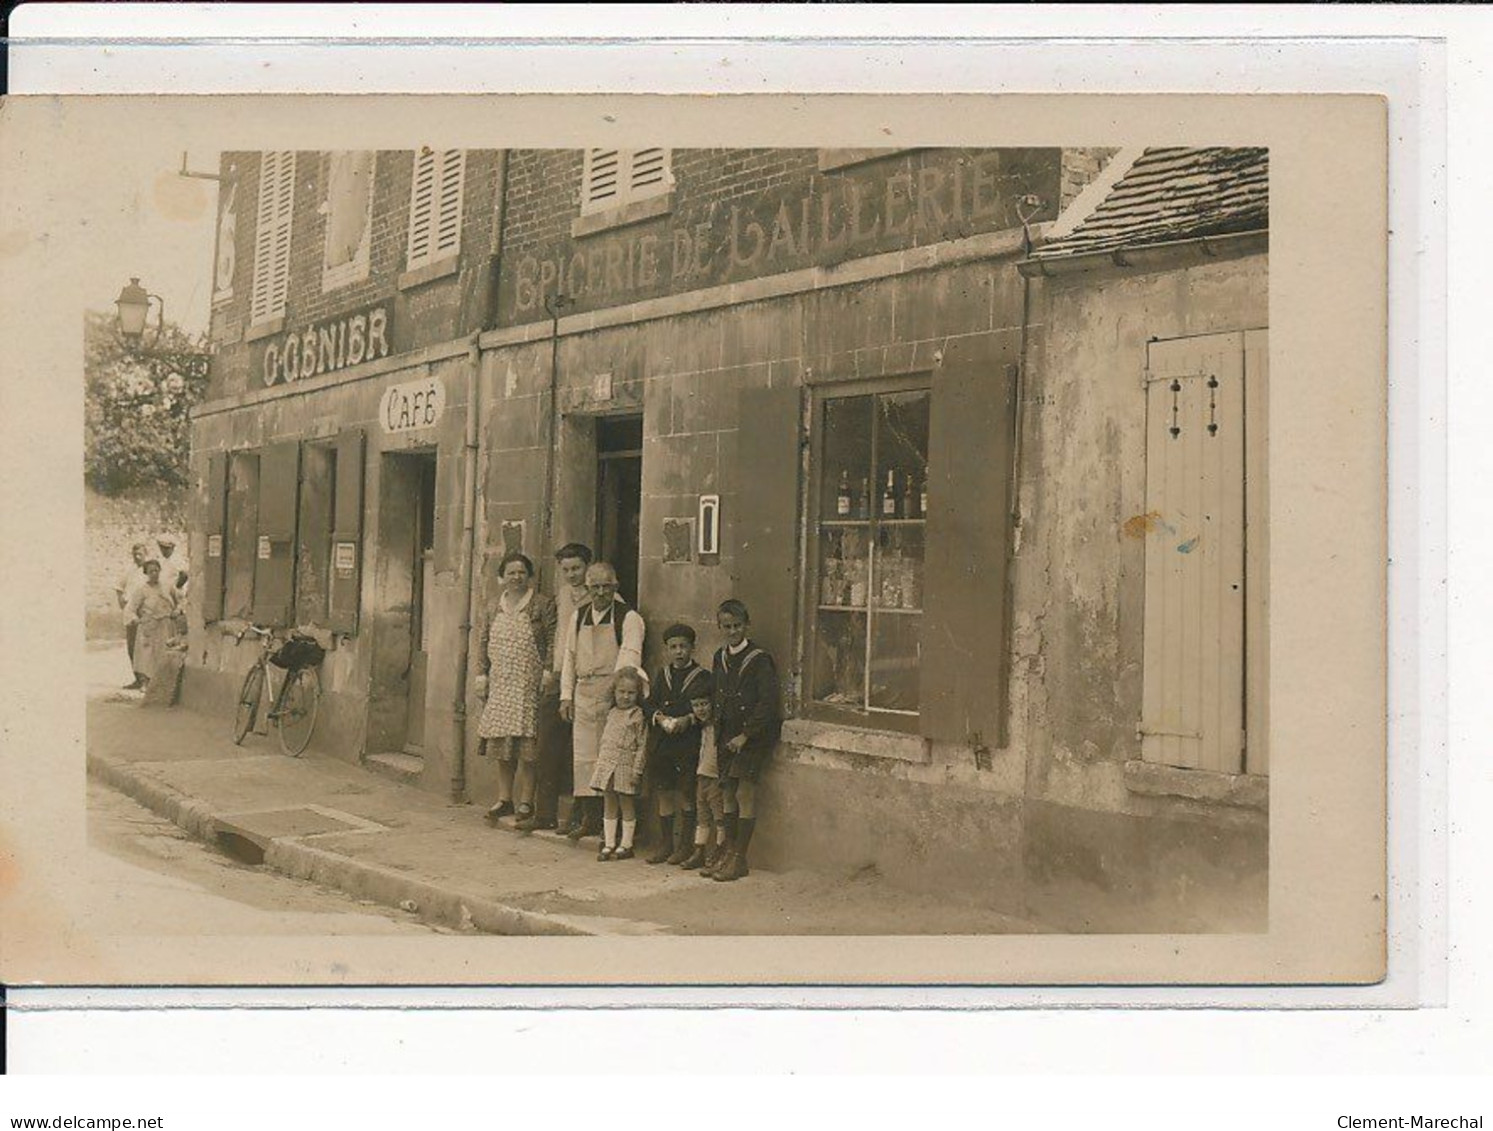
pixel 719 541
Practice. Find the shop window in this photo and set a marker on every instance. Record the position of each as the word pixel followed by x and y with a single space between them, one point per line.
pixel 272 236
pixel 314 533
pixel 348 209
pixel 869 514
pixel 614 178
pixel 435 206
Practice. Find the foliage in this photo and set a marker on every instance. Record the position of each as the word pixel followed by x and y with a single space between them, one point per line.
pixel 137 407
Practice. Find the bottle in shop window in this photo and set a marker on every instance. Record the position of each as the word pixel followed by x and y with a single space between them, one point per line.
pixel 909 499
pixel 889 496
pixel 842 500
pixel 863 502
pixel 923 499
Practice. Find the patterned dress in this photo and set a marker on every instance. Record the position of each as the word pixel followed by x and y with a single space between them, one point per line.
pixel 620 760
pixel 512 709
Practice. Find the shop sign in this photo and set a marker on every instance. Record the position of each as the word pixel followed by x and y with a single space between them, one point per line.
pixel 413 405
pixel 324 347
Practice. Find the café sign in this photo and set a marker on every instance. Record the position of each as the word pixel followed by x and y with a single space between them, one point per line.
pixel 413 405
pixel 324 347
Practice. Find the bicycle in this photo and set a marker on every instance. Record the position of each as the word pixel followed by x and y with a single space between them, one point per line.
pixel 295 703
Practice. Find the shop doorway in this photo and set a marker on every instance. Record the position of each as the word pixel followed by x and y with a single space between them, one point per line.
pixel 403 588
pixel 619 498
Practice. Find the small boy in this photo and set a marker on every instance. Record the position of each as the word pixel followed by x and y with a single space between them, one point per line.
pixel 748 716
pixel 674 749
pixel 710 804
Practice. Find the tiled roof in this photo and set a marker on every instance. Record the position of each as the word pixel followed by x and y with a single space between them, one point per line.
pixel 1173 194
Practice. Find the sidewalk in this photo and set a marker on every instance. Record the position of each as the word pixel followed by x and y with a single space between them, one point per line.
pixel 343 826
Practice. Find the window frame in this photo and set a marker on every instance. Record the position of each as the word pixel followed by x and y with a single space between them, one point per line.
pixel 810 708
pixel 356 270
pixel 433 256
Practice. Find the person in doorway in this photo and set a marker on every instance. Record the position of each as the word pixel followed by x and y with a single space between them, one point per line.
pixel 619 765
pixel 515 666
pixel 173 565
pixel 125 591
pixel 555 739
pixel 749 720
pixel 674 743
pixel 602 638
pixel 154 609
pixel 710 804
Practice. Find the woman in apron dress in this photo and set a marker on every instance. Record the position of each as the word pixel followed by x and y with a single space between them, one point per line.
pixel 604 637
pixel 154 607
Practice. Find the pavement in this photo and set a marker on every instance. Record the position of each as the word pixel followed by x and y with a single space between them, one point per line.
pixel 346 828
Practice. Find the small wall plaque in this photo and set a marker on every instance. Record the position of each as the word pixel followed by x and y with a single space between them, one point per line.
pixel 513 535
pixel 264 547
pixel 345 558
pixel 710 525
pixel 215 545
pixel 679 539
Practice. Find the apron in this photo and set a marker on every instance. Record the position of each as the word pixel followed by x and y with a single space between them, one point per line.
pixel 596 651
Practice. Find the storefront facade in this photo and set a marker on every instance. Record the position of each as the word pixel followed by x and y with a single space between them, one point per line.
pixel 821 381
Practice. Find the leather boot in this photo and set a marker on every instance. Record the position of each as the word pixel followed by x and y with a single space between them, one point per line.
pixel 735 866
pixel 724 849
pixel 696 859
pixel 665 847
pixel 684 843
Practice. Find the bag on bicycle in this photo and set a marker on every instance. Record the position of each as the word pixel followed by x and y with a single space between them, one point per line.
pixel 298 652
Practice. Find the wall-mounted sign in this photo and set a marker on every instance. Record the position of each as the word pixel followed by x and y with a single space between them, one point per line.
pixel 323 347
pixel 215 545
pixel 412 405
pixel 345 558
pixel 710 525
pixel 264 547
pixel 601 387
pixel 512 531
pixel 679 541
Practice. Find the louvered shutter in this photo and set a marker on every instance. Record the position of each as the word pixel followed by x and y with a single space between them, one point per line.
pixel 272 235
pixel 435 205
pixel 601 180
pixel 648 174
pixel 1192 712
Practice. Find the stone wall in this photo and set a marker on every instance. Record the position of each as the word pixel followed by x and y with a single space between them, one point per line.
pixel 113 524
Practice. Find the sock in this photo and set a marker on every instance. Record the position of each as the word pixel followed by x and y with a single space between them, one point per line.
pixel 609 833
pixel 628 827
pixel 702 834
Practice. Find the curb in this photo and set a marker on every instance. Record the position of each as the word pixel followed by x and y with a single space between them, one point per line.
pixel 290 857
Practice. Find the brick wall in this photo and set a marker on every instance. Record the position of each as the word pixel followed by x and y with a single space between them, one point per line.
pixel 1080 167
pixel 113 525
pixel 422 315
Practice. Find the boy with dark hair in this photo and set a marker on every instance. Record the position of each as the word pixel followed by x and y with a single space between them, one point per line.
pixel 748 716
pixel 674 743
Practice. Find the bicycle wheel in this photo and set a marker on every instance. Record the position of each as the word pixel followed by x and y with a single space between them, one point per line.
pixel 296 716
pixel 248 703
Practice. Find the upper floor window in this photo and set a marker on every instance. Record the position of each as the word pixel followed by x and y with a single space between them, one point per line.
pixel 435 206
pixel 272 235
pixel 349 213
pixel 613 178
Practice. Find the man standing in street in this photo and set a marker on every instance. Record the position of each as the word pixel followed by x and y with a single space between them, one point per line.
pixel 602 638
pixel 173 565
pixel 125 591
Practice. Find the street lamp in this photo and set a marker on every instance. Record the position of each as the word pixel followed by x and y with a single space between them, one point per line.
pixel 133 305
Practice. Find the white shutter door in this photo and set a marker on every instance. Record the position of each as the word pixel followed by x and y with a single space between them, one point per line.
pixel 447 239
pixel 1193 693
pixel 602 179
pixel 422 207
pixel 272 235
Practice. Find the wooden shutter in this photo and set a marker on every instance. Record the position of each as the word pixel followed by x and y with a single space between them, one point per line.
pixel 347 531
pixel 766 519
pixel 214 526
pixel 272 235
pixel 274 556
pixel 966 646
pixel 435 205
pixel 1193 675
pixel 648 173
pixel 601 181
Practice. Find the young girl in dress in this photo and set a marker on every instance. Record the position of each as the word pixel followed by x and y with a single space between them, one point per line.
pixel 619 765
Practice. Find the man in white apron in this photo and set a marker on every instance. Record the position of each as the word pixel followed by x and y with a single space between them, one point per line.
pixel 603 637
